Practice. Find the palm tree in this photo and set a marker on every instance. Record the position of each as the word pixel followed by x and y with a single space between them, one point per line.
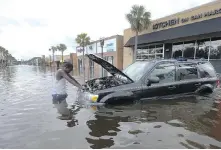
pixel 9 58
pixel 53 49
pixel 139 20
pixel 6 57
pixel 83 40
pixel 62 48
pixel 1 53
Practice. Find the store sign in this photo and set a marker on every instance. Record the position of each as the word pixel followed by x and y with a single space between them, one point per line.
pixel 176 21
pixel 110 47
pixel 79 49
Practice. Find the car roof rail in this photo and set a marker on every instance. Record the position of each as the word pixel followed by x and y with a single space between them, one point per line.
pixel 190 59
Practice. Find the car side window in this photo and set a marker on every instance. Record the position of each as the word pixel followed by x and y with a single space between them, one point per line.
pixel 165 72
pixel 187 71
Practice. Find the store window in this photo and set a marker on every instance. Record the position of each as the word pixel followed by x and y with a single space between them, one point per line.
pixel 150 52
pixel 189 49
pixel 215 48
pixel 159 51
pixel 177 50
pixel 109 59
pixel 80 66
pixel 91 64
pixel 202 48
pixel 139 53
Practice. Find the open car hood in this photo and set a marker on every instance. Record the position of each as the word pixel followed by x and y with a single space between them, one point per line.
pixel 107 66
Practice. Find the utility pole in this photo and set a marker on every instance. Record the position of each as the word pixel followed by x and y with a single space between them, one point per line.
pixel 83 64
pixel 102 45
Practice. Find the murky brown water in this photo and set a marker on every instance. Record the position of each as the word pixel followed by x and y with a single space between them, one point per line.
pixel 28 119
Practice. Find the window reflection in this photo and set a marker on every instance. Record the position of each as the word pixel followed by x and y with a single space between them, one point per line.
pixel 159 49
pixel 165 72
pixel 110 60
pixel 202 48
pixel 187 71
pixel 215 49
pixel 150 52
pixel 189 49
pixel 177 50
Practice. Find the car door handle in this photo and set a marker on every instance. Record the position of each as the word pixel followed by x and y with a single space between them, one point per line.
pixel 197 84
pixel 171 87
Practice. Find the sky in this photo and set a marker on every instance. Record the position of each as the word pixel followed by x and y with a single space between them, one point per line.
pixel 28 28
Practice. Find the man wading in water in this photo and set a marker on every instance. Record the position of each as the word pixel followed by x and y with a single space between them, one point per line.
pixel 59 94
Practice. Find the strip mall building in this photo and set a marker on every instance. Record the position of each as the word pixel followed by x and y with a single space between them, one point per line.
pixel 194 33
pixel 112 52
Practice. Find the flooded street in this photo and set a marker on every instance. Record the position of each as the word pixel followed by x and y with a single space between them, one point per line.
pixel 28 119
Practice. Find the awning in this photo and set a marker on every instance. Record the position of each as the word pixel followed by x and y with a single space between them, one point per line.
pixel 189 30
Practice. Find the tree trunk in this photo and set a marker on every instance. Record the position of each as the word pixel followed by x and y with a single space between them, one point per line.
pixel 6 61
pixel 52 58
pixel 135 48
pixel 62 57
pixel 83 65
pixel 88 72
pixel 102 56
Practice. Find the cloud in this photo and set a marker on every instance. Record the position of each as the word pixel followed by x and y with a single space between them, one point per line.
pixel 4 21
pixel 28 28
pixel 35 22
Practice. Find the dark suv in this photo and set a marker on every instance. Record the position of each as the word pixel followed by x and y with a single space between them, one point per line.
pixel 150 79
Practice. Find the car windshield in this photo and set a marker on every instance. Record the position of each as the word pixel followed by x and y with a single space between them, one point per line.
pixel 136 70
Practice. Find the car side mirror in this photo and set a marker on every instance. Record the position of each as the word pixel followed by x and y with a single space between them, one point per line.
pixel 153 80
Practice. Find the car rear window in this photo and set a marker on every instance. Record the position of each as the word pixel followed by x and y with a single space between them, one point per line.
pixel 206 70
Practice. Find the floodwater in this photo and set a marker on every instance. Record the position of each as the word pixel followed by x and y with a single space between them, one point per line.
pixel 28 119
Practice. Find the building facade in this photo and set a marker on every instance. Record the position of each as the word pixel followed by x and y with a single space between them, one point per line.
pixel 194 33
pixel 112 52
pixel 72 58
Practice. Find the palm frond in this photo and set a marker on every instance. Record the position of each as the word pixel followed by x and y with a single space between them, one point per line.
pixel 138 18
pixel 82 39
pixel 61 47
pixel 132 21
pixel 54 49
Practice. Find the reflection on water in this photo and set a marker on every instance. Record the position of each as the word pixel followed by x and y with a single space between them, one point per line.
pixel 28 119
pixel 176 119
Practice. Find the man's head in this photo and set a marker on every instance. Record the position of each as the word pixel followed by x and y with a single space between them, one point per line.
pixel 68 67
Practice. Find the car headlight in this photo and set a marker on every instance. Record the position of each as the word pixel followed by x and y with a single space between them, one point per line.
pixel 93 97
pixel 94 108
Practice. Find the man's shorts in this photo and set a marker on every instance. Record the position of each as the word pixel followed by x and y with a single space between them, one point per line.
pixel 58 98
pixel 60 103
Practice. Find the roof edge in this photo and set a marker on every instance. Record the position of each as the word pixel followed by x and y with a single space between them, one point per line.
pixel 127 44
pixel 107 38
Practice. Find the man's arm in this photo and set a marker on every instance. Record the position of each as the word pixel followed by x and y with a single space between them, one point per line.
pixel 71 79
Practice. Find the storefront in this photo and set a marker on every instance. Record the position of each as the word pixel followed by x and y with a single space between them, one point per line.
pixel 193 34
pixel 109 59
pixel 208 48
pixel 91 71
pixel 112 52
